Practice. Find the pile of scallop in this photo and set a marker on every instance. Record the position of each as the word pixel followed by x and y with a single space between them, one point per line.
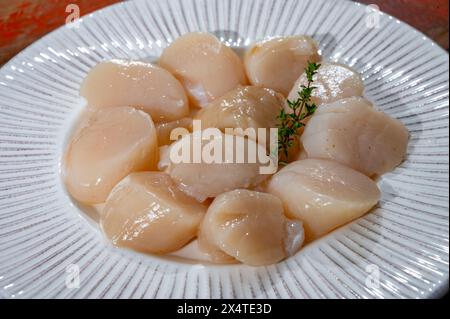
pixel 116 159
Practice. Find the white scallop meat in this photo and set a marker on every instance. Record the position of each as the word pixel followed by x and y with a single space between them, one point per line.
pixel 278 62
pixel 333 81
pixel 251 227
pixel 107 145
pixel 148 213
pixel 323 194
pixel 138 84
pixel 352 132
pixel 206 67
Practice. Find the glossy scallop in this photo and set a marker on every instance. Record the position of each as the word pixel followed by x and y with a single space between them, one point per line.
pixel 205 66
pixel 323 194
pixel 243 107
pixel 208 247
pixel 251 227
pixel 107 145
pixel 148 213
pixel 138 84
pixel 352 132
pixel 277 63
pixel 202 175
pixel 333 81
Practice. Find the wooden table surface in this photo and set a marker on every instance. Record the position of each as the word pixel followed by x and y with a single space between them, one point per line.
pixel 24 21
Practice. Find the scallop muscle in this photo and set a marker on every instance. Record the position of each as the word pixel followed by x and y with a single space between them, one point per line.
pixel 277 63
pixel 205 178
pixel 333 81
pixel 205 66
pixel 251 227
pixel 148 213
pixel 107 145
pixel 244 107
pixel 138 84
pixel 323 194
pixel 352 132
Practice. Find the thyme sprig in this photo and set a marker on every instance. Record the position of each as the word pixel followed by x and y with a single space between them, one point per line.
pixel 299 109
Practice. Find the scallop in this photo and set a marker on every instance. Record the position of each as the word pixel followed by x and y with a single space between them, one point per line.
pixel 108 144
pixel 206 67
pixel 352 132
pixel 205 167
pixel 207 246
pixel 142 85
pixel 251 227
pixel 243 107
pixel 323 194
pixel 277 63
pixel 148 213
pixel 333 81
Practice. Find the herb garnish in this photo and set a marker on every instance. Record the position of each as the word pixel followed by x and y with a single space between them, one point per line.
pixel 301 108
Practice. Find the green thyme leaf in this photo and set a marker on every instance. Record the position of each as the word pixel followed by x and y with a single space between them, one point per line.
pixel 290 123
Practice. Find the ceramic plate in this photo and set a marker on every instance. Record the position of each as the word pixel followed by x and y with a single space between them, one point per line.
pixel 50 249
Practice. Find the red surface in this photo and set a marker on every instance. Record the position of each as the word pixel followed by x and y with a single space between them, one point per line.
pixel 428 16
pixel 24 21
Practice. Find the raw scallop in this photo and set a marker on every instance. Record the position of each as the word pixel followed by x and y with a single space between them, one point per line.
pixel 203 178
pixel 251 227
pixel 277 63
pixel 207 246
pixel 108 144
pixel 138 84
pixel 205 66
pixel 244 107
pixel 323 194
pixel 148 213
pixel 332 82
pixel 352 132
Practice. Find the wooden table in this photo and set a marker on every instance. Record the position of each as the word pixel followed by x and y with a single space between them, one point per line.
pixel 24 21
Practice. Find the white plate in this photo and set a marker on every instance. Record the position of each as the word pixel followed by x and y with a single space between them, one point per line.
pixel 398 250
